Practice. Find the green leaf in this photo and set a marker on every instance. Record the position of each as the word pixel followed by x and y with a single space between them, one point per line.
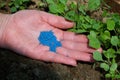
pixel 94 43
pixel 17 2
pixel 97 56
pixel 113 67
pixel 104 66
pixel 117 76
pixel 93 40
pixel 25 0
pixel 105 13
pixel 110 53
pixel 87 18
pixel 110 24
pixel 105 35
pixel 2 4
pixel 73 5
pixel 70 15
pixel 13 9
pixel 113 60
pixel 82 9
pixel 63 1
pixel 93 34
pixel 56 8
pixel 114 40
pixel 86 26
pixel 22 7
pixel 93 4
pixel 95 25
pixel 108 75
pixel 50 1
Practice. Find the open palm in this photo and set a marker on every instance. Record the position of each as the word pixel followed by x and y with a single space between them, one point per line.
pixel 22 32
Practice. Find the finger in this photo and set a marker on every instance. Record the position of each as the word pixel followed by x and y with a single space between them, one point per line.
pixel 58 33
pixel 65 35
pixel 82 56
pixel 74 37
pixel 77 46
pixel 100 50
pixel 53 57
pixel 56 21
pixel 42 53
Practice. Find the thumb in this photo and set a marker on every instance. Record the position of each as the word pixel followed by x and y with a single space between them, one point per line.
pixel 56 21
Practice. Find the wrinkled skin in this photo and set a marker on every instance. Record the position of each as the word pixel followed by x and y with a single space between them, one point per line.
pixel 24 27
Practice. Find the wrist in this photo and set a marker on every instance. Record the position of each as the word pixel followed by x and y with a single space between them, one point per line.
pixel 4 19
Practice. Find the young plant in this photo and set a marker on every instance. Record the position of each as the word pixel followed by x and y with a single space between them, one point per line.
pixel 15 5
pixel 100 34
pixel 110 40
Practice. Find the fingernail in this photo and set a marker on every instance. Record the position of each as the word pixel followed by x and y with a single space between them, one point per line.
pixel 73 63
pixel 68 23
pixel 100 50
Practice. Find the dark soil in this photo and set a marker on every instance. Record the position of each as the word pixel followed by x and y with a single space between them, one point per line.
pixel 114 4
pixel 17 67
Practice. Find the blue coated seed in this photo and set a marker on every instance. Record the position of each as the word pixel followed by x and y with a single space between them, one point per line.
pixel 48 38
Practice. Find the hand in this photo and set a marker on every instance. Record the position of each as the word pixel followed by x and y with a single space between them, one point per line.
pixel 22 32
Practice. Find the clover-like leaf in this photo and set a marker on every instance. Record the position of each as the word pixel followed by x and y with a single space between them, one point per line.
pixel 114 40
pixel 108 75
pixel 93 4
pixel 110 53
pixel 104 66
pixel 93 40
pixel 63 2
pixel 105 35
pixel 50 1
pixel 110 24
pixel 113 67
pixel 56 8
pixel 97 56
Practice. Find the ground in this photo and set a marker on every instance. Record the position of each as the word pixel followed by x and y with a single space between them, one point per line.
pixel 17 67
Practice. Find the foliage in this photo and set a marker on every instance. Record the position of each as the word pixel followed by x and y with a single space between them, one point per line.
pixel 105 34
pixel 110 40
pixel 93 4
pixel 16 5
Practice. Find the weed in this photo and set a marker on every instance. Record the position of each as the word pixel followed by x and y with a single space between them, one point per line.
pixel 105 34
pixel 15 5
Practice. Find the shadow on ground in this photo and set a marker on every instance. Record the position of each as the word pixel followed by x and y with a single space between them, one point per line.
pixel 16 67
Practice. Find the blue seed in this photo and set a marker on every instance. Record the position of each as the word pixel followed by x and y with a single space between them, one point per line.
pixel 48 38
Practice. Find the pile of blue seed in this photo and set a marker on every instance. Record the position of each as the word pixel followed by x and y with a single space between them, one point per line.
pixel 47 38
